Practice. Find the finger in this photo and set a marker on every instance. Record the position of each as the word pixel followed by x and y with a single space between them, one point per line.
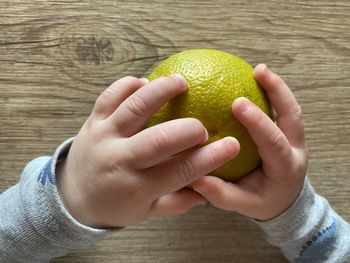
pixel 289 113
pixel 273 146
pixel 226 195
pixel 180 170
pixel 176 203
pixel 164 140
pixel 115 94
pixel 134 112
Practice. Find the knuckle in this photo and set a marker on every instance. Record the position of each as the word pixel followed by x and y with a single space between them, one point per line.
pixel 258 120
pixel 187 171
pixel 224 202
pixel 136 106
pixel 171 82
pixel 300 164
pixel 109 92
pixel 103 98
pixel 111 164
pixel 298 112
pixel 279 144
pixel 162 81
pixel 294 172
pixel 161 137
pixel 212 156
pixel 89 124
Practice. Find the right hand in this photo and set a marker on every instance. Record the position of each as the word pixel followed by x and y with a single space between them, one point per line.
pixel 117 174
pixel 272 188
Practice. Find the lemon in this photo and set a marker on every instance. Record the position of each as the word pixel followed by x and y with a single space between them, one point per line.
pixel 215 79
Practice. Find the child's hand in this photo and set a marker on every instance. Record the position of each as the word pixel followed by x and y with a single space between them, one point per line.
pixel 117 174
pixel 271 189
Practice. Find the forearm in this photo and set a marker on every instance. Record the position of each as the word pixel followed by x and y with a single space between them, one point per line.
pixel 310 231
pixel 34 225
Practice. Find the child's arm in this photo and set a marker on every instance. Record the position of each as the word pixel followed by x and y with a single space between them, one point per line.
pixel 115 174
pixel 309 231
pixel 34 224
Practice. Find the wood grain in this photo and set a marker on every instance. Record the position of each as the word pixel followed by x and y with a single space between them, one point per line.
pixel 56 56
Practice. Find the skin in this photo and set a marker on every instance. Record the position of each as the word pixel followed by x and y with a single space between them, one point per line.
pixel 117 174
pixel 108 180
pixel 271 189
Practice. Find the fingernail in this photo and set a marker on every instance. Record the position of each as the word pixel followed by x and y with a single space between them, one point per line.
pixel 206 135
pixel 231 145
pixel 181 79
pixel 144 80
pixel 202 190
pixel 243 104
pixel 264 67
pixel 202 202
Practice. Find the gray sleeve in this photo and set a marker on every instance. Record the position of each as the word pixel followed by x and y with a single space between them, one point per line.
pixel 34 225
pixel 310 231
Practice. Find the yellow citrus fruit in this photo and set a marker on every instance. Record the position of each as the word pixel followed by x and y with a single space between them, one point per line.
pixel 215 79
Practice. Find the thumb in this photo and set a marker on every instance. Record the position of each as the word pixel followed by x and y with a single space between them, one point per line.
pixel 177 202
pixel 224 195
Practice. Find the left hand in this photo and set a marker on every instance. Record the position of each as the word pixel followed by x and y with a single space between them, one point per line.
pixel 118 174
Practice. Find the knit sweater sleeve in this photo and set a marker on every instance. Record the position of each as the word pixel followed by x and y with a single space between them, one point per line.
pixel 310 231
pixel 34 224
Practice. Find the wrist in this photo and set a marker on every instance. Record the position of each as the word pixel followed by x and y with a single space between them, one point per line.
pixel 72 197
pixel 68 194
pixel 64 189
pixel 298 207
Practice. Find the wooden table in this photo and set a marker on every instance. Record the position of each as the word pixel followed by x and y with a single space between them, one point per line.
pixel 56 56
